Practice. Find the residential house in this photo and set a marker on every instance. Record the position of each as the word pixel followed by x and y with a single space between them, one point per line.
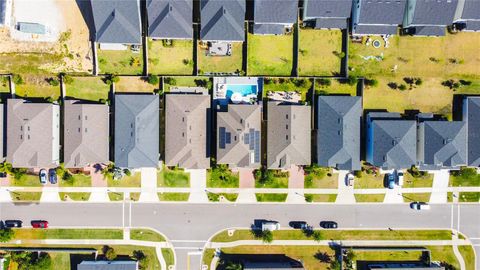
pixel 288 135
pixel 467 15
pixel 5 12
pixel 273 17
pixel 86 134
pixel 33 134
pixel 239 135
pixel 377 17
pixel 137 130
pixel 441 145
pixel 187 130
pixel 471 115
pixel 170 19
pixel 117 22
pixel 391 141
pixel 428 18
pixel 338 132
pixel 108 265
pixel 327 14
pixel 222 20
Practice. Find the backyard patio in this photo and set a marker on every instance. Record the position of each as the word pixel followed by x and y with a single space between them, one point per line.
pixel 222 64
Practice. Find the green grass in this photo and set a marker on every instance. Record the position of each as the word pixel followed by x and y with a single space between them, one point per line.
pixel 412 197
pixel 4 85
pixel 127 181
pixel 181 81
pixel 134 196
pixel 444 254
pixel 449 196
pixel 173 178
pixel 35 234
pixel 173 196
pixel 120 62
pixel 271 197
pixel 471 179
pixel 78 180
pixel 222 178
pixel 231 63
pixel 60 260
pixel 36 86
pixel 321 197
pixel 175 59
pixel 27 180
pixel 469 197
pixel 31 63
pixel 74 196
pixel 368 181
pixel 278 182
pixel 282 84
pixel 468 256
pixel 414 182
pixel 115 196
pixel 168 256
pixel 389 255
pixel 207 256
pixel 133 84
pixel 25 196
pixel 88 88
pixel 318 50
pixel 146 235
pixel 335 87
pixel 215 197
pixel 270 54
pixel 321 178
pixel 369 197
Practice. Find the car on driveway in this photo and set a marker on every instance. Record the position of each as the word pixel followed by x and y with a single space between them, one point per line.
pixel 302 225
pixel 329 224
pixel 349 179
pixel 39 224
pixel 420 206
pixel 400 178
pixel 52 176
pixel 43 176
pixel 391 180
pixel 13 223
pixel 270 226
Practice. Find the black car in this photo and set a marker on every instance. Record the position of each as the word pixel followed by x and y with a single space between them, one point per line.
pixel 329 224
pixel 302 225
pixel 13 223
pixel 52 176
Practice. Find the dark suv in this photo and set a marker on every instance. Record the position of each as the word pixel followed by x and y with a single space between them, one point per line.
pixel 13 223
pixel 329 224
pixel 52 176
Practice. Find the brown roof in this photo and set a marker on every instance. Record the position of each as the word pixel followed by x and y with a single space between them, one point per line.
pixel 186 131
pixel 33 134
pixel 288 135
pixel 86 134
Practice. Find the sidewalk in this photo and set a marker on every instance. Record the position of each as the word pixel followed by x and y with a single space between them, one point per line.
pixel 296 181
pixel 149 185
pixel 198 185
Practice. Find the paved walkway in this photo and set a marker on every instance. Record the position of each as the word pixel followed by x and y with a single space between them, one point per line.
pixel 440 183
pixel 50 195
pixel 345 193
pixel 246 192
pixel 149 185
pixel 296 180
pixel 198 186
pixel 99 195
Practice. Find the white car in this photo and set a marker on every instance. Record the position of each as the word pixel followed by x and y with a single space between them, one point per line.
pixel 349 179
pixel 420 206
pixel 43 176
pixel 400 178
pixel 270 226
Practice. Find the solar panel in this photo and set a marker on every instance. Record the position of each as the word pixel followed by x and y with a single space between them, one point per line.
pixel 257 146
pixel 252 141
pixel 228 137
pixel 246 138
pixel 221 137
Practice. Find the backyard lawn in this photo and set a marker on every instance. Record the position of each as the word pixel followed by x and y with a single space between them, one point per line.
pixel 120 62
pixel 174 59
pixel 270 54
pixel 179 81
pixel 320 52
pixel 4 84
pixel 174 177
pixel 133 180
pixel 321 178
pixel 171 196
pixel 333 86
pixel 88 88
pixel 30 63
pixel 37 86
pixel 134 84
pixel 224 64
pixel 282 84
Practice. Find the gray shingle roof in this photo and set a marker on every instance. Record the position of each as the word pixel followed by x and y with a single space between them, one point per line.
pixel 391 143
pixel 331 23
pixel 327 9
pixel 288 135
pixel 382 11
pixel 433 12
pixel 86 134
pixel 33 134
pixel 442 145
pixel 222 20
pixel 473 25
pixel 137 130
pixel 472 117
pixel 338 135
pixel 108 265
pixel 471 10
pixel 3 7
pixel 170 18
pixel 186 131
pixel 366 29
pixel 430 30
pixel 274 11
pixel 268 29
pixel 117 21
pixel 239 136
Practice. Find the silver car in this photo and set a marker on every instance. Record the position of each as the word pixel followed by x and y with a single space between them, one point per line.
pixel 43 176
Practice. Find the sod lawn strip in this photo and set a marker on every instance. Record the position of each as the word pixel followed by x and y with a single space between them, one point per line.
pixel 173 196
pixel 468 256
pixel 35 234
pixel 359 198
pixel 88 88
pixel 74 196
pixel 217 197
pixel 25 196
pixel 146 235
pixel 115 196
pixel 271 197
pixel 168 256
pixel 469 197
pixel 327 198
pixel 416 197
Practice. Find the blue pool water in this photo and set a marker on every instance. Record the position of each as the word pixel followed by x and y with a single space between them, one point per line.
pixel 244 89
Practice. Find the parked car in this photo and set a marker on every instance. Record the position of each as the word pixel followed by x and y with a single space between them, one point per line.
pixel 52 176
pixel 390 180
pixel 43 176
pixel 400 178
pixel 13 223
pixel 329 224
pixel 270 226
pixel 420 206
pixel 349 179
pixel 41 224
pixel 302 225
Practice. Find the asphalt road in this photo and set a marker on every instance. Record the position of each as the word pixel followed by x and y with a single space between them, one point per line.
pixel 188 226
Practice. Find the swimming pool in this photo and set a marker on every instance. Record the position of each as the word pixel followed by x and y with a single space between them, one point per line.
pixel 243 89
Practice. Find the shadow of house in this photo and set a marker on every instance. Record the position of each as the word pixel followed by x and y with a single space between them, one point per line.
pixel 87 14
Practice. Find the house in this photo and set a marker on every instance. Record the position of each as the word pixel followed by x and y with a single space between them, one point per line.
pixel 391 141
pixel 5 12
pixel 222 20
pixel 377 17
pixel 288 135
pixel 86 134
pixel 471 116
pixel 137 130
pixel 467 15
pixel 338 132
pixel 117 21
pixel 441 145
pixel 108 265
pixel 33 134
pixel 273 17
pixel 239 135
pixel 327 14
pixel 428 18
pixel 187 128
pixel 170 19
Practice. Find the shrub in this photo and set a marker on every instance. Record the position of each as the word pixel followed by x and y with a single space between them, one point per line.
pixel 53 82
pixel 358 174
pixel 418 81
pixel 127 172
pixel 67 79
pixel 6 235
pixel 17 79
pixel 351 80
pixel 109 253
pixel 267 236
pixel 317 236
pixel 170 81
pixel 153 79
pixel 402 87
pixel 371 82
pixel 464 82
pixel 308 197
pixel 324 82
pixel 392 85
pixel 299 82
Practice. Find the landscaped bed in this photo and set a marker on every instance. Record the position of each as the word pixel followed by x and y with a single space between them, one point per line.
pixel 270 54
pixel 320 52
pixel 133 84
pixel 282 84
pixel 120 62
pixel 224 64
pixel 174 57
pixel 222 177
pixel 88 88
pixel 318 177
pixel 173 177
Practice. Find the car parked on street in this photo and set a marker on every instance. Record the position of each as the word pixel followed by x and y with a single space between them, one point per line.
pixel 420 206
pixel 52 176
pixel 302 225
pixel 270 226
pixel 13 223
pixel 329 224
pixel 39 224
pixel 390 180
pixel 43 176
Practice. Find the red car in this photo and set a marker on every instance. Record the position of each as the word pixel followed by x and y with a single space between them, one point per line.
pixel 41 224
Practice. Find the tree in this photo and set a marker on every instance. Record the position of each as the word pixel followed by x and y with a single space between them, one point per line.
pixel 267 236
pixel 317 236
pixel 351 80
pixel 6 167
pixel 18 172
pixel 17 79
pixel 109 253
pixel 324 82
pixel 402 87
pixel 153 79
pixel 6 235
pixel 233 266
pixel 67 79
pixel 31 260
pixel 334 265
pixel 141 258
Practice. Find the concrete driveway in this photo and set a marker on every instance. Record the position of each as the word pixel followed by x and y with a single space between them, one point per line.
pixel 149 185
pixel 440 183
pixel 198 185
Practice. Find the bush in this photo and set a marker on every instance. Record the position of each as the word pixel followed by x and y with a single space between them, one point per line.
pixel 18 172
pixel 109 253
pixel 317 236
pixel 135 62
pixel 351 80
pixel 110 79
pixel 153 79
pixel 308 197
pixel 6 235
pixel 392 85
pixel 127 172
pixel 67 79
pixel 416 173
pixel 170 81
pixel 299 82
pixel 402 87
pixel 324 82
pixel 31 260
pixel 371 82
pixel 53 82
pixel 358 174
pixel 17 79
pixel 267 236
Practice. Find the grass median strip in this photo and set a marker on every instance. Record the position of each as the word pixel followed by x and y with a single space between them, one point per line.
pixel 320 197
pixel 25 196
pixel 369 197
pixel 168 256
pixel 179 197
pixel 469 197
pixel 146 235
pixel 271 197
pixel 414 197
pixel 468 256
pixel 36 234
pixel 74 196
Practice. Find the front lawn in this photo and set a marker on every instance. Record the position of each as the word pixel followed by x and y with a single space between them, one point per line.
pixel 330 198
pixel 416 197
pixel 174 177
pixel 170 58
pixel 146 235
pixel 224 64
pixel 171 196
pixel 26 180
pixel 271 179
pixel 38 86
pixel 318 177
pixel 25 196
pixel 77 180
pixel 35 234
pixel 466 177
pixel 369 180
pixel 320 52
pixel 417 182
pixel 74 196
pixel 270 54
pixel 88 88
pixel 222 177
pixel 360 198
pixel 120 62
pixel 134 84
pixel 469 197
pixel 271 197
pixel 283 84
pixel 133 180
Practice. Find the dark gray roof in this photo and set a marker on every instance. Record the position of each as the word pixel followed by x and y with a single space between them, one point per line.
pixel 442 145
pixel 381 11
pixel 429 30
pixel 434 12
pixel 222 20
pixel 338 135
pixel 473 25
pixel 3 7
pixel 117 21
pixel 327 9
pixel 274 11
pixel 137 130
pixel 368 29
pixel 108 265
pixel 472 117
pixel 471 10
pixel 268 29
pixel 331 23
pixel 170 18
